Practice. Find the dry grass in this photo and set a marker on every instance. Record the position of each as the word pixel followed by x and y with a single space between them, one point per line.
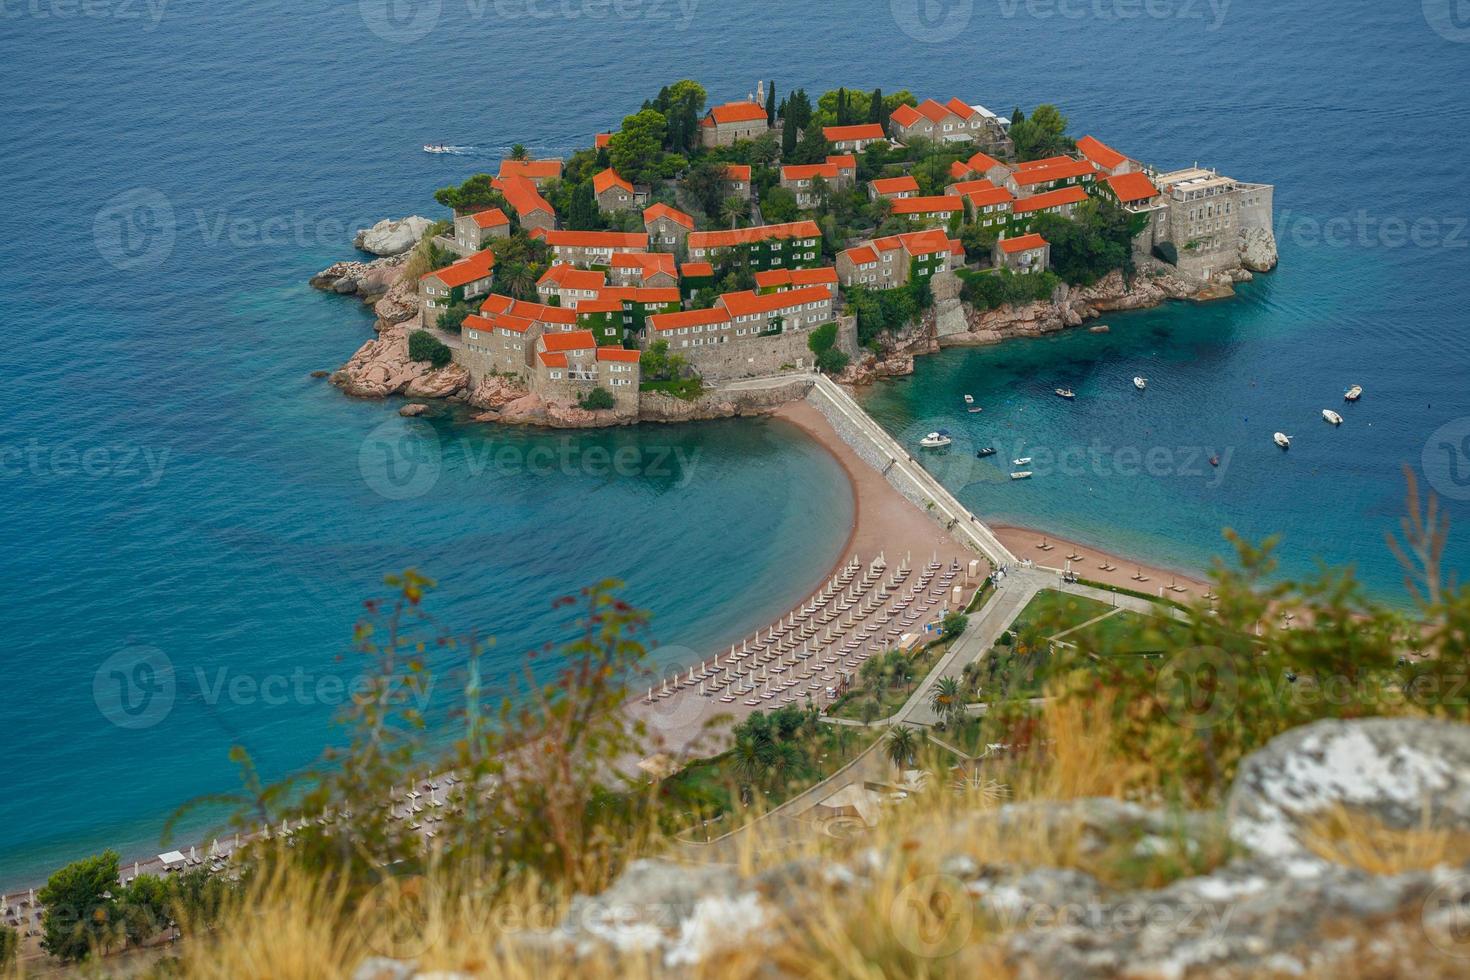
pixel 1361 840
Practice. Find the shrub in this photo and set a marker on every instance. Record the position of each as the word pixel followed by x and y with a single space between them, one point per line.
pixel 596 400
pixel 9 944
pixel 954 623
pixel 424 346
pixel 452 319
pixel 1165 251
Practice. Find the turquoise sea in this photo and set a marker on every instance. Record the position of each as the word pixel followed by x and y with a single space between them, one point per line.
pixel 175 486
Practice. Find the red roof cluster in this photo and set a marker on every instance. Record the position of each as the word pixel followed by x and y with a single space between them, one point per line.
pixel 465 271
pixel 530 169
pixel 522 195
pixel 907 115
pixel 1067 195
pixel 758 233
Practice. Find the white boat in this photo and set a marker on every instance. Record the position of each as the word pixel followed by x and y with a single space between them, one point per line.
pixel 1282 440
pixel 1021 475
pixel 1140 383
pixel 936 440
pixel 1353 393
pixel 1022 461
pixel 1331 416
pixel 436 148
pixel 969 399
pixel 1066 393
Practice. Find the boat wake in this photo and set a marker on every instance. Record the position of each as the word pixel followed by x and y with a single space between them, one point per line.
pixel 445 148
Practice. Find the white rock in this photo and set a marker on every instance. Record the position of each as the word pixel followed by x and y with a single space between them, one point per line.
pixel 390 237
pixel 1258 249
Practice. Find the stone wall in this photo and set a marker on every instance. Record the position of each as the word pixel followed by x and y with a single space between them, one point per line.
pixel 754 357
pixel 722 403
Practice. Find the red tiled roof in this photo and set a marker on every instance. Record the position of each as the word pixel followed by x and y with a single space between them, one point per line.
pixel 649 262
pixel 959 170
pixel 532 169
pixel 522 195
pixel 1055 171
pixel 601 140
pixel 843 161
pixel 894 185
pixel 617 354
pixel 861 254
pixel 906 115
pixel 570 277
pixel 476 322
pixel 969 187
pixel 985 196
pixel 927 205
pixel 758 233
pixel 687 318
pixel 960 108
pixel 1043 162
pixel 608 179
pixel 736 112
pixel 825 274
pixel 1132 187
pixel 491 218
pixel 981 162
pixel 737 171
pixel 830 169
pixel 570 340
pixel 597 239
pixel 1100 153
pixel 464 271
pixel 924 242
pixel 601 304
pixel 747 302
pixel 1067 195
pixel 497 305
pixel 696 269
pixel 861 131
pixel 1013 245
pixel 552 360
pixel 660 210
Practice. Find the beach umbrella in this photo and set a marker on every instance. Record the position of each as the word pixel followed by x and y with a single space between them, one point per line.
pixel 193 854
pixel 214 848
pixel 237 840
pixel 135 869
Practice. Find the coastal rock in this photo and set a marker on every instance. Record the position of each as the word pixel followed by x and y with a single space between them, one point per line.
pixel 659 407
pixel 320 374
pixel 392 237
pixel 381 367
pixel 413 409
pixel 496 392
pixel 1258 249
pixel 345 286
pixel 366 279
pixel 1386 769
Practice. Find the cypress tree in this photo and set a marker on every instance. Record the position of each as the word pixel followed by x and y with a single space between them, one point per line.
pixel 875 108
pixel 771 105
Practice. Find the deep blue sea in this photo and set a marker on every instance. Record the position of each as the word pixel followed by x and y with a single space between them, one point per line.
pixel 177 491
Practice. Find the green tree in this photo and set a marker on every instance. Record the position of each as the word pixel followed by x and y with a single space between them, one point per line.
pixel 771 104
pixel 452 319
pixel 877 113
pixel 705 183
pixel 80 912
pixel 598 399
pixel 946 698
pixel 733 209
pixel 1043 134
pixel 953 624
pixel 582 213
pixel 424 346
pixel 779 205
pixel 9 947
pixel 145 907
pixel 899 745
pixel 475 194
pixel 635 149
pixel 519 152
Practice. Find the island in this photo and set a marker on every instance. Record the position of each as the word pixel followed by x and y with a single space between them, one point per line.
pixel 705 261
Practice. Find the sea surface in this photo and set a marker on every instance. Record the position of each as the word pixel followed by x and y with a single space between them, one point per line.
pixel 178 499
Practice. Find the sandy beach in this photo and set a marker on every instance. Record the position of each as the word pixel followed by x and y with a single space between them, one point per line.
pixel 1026 542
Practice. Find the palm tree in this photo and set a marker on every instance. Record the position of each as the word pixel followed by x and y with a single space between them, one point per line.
pixel 732 209
pixel 786 763
pixel 900 746
pixel 519 152
pixel 518 280
pixel 750 761
pixel 946 698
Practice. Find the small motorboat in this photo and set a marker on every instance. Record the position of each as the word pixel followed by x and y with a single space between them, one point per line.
pixel 1066 393
pixel 987 451
pixel 1353 393
pixel 1282 440
pixel 1021 475
pixel 436 148
pixel 970 405
pixel 936 440
pixel 1214 460
pixel 969 399
pixel 1140 383
pixel 1331 416
pixel 1021 461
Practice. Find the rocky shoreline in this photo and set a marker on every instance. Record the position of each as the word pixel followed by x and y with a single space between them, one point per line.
pixel 381 367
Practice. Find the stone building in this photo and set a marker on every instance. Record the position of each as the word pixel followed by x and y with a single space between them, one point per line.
pixel 854 139
pixel 724 124
pixel 652 269
pixel 592 249
pixel 784 280
pixel 933 211
pixel 893 187
pixel 1204 216
pixel 794 243
pixel 613 193
pixel 667 227
pixel 473 231
pixel 895 260
pixel 737 181
pixel 568 285
pixel 501 338
pixel 1106 159
pixel 465 280
pixel 986 205
pixel 947 122
pixel 1062 202
pixel 1023 254
pixel 980 166
pixel 533 212
pixel 1028 180
pixel 538 172
pixel 839 173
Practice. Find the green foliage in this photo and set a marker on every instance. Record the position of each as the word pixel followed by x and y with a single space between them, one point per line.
pixel 989 290
pixel 598 399
pixel 1097 239
pixel 424 346
pixel 778 205
pixel 979 242
pixel 1044 134
pixel 900 744
pixel 145 907
pixel 452 319
pixel 80 916
pixel 843 107
pixel 953 624
pixel 581 209
pixel 881 311
pixel 635 150
pixel 1165 251
pixel 9 946
pixel 520 261
pixel 705 183
pixel 822 341
pixel 475 194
